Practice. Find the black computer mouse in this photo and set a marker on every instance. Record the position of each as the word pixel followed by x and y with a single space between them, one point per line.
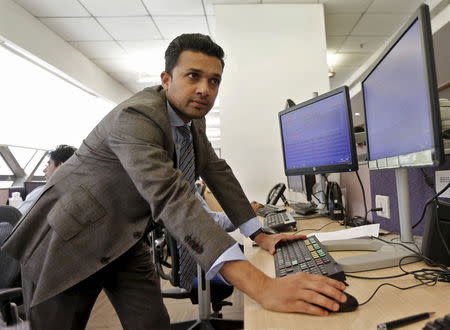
pixel 349 305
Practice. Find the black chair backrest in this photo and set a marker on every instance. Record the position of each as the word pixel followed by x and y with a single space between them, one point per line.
pixel 163 246
pixel 9 267
pixel 9 214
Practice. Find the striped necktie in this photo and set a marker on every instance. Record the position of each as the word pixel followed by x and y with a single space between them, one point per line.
pixel 186 164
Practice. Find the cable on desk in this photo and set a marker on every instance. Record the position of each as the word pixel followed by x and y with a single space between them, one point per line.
pixel 315 229
pixel 425 276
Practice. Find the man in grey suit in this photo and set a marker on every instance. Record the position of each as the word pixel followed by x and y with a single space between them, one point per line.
pixel 85 232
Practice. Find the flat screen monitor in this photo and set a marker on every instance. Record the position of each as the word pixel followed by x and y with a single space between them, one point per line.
pixel 401 102
pixel 317 135
pixel 403 129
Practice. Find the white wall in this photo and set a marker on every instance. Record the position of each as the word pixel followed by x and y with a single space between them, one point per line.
pixel 27 32
pixel 273 52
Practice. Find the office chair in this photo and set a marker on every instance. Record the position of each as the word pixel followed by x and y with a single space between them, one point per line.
pixel 164 245
pixel 10 294
pixel 9 214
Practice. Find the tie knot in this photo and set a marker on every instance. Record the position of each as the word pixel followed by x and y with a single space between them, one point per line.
pixel 185 131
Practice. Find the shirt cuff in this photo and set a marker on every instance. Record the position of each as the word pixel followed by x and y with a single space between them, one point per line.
pixel 250 226
pixel 231 254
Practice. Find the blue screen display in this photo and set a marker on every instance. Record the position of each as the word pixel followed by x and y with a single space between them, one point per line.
pixel 317 134
pixel 396 100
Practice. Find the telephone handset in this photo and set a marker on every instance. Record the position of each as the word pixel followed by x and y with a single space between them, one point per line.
pixel 276 193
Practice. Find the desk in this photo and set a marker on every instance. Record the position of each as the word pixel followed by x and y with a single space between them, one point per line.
pixel 388 304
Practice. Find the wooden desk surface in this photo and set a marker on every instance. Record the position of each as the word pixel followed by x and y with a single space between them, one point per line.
pixel 388 304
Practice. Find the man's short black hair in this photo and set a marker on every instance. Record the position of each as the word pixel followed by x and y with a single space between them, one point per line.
pixel 62 153
pixel 196 42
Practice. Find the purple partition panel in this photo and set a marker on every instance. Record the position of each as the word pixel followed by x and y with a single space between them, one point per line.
pixel 382 182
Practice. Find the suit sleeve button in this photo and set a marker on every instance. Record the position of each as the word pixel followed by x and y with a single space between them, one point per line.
pixel 137 234
pixel 104 260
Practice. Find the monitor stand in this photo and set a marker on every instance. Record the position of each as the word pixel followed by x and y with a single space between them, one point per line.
pixel 385 255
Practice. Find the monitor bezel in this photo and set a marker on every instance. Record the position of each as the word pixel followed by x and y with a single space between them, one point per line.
pixel 322 169
pixel 422 14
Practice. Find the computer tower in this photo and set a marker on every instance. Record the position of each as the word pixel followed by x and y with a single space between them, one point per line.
pixel 436 237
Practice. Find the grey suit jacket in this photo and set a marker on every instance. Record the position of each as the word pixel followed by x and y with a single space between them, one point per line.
pixel 100 202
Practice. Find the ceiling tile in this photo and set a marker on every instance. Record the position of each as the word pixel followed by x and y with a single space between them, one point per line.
pixel 345 6
pixel 211 20
pixel 334 43
pixel 362 44
pixel 76 28
pixel 145 46
pixel 174 7
pixel 173 26
pixel 378 24
pixel 209 4
pixel 130 28
pixel 393 7
pixel 340 24
pixel 115 8
pixel 99 49
pixel 289 1
pixel 113 64
pixel 53 8
pixel 350 59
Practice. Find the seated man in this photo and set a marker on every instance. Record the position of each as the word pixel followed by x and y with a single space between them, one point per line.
pixel 57 157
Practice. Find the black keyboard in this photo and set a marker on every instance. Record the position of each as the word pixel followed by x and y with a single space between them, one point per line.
pixel 442 323
pixel 304 208
pixel 307 256
pixel 280 221
pixel 268 209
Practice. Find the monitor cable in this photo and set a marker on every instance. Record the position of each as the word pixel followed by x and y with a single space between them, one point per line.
pixel 429 202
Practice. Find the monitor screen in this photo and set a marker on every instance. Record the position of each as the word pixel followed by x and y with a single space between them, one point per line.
pixel 400 100
pixel 317 135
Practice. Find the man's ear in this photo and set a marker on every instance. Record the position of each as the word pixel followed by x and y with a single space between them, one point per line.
pixel 165 80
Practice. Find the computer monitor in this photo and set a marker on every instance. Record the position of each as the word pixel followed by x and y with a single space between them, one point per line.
pixel 317 135
pixel 402 121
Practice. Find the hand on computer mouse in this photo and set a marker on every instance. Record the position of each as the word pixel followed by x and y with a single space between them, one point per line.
pixel 349 305
pixel 303 293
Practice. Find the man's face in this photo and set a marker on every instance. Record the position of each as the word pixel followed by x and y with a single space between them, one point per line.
pixel 50 169
pixel 193 86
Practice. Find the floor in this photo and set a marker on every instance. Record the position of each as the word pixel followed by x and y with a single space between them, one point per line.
pixel 103 315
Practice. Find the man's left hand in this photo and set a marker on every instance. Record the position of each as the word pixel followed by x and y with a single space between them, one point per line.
pixel 268 242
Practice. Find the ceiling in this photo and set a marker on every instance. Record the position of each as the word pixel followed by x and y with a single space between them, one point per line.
pixel 127 38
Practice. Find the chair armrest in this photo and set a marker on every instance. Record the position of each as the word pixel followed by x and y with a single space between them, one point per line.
pixel 10 294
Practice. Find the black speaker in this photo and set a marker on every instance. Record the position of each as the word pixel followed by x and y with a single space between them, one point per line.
pixel 334 201
pixel 436 236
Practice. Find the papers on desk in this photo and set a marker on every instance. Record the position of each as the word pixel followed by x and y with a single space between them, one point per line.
pixel 355 232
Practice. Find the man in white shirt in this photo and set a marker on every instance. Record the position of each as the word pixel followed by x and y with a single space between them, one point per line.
pixel 57 157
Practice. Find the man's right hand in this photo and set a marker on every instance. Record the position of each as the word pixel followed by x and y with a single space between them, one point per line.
pixel 303 293
pixel 300 292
